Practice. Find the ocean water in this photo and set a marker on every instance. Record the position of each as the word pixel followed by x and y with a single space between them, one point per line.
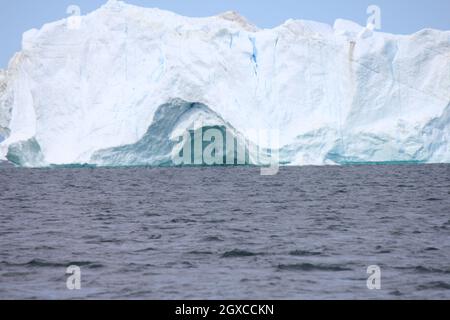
pixel 226 232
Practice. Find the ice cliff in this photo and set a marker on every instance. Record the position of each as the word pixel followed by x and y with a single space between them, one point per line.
pixel 116 86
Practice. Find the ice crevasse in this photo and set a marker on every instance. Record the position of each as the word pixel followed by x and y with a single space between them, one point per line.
pixel 117 86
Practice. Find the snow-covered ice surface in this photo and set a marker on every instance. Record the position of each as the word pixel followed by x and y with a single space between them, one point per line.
pixel 115 90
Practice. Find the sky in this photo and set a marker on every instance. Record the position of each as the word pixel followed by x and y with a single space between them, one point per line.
pixel 398 16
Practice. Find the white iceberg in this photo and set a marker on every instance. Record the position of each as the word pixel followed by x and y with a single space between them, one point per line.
pixel 115 89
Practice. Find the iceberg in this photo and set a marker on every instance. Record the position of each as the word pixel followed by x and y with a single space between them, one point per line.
pixel 119 86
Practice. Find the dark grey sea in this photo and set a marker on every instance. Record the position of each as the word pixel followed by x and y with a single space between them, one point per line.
pixel 226 232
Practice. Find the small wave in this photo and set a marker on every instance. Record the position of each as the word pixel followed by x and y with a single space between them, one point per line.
pixel 433 199
pixel 311 267
pixel 51 264
pixel 44 248
pixel 217 221
pixel 304 253
pixel 146 250
pixel 384 252
pixel 151 214
pixel 339 192
pixel 200 252
pixel 114 241
pixel 239 230
pixel 423 269
pixel 212 239
pixel 435 285
pixel 182 220
pixel 396 293
pixel 238 254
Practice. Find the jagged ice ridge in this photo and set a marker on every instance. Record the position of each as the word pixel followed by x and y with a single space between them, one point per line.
pixel 117 90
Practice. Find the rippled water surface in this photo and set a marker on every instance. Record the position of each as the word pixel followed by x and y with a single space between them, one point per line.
pixel 176 233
